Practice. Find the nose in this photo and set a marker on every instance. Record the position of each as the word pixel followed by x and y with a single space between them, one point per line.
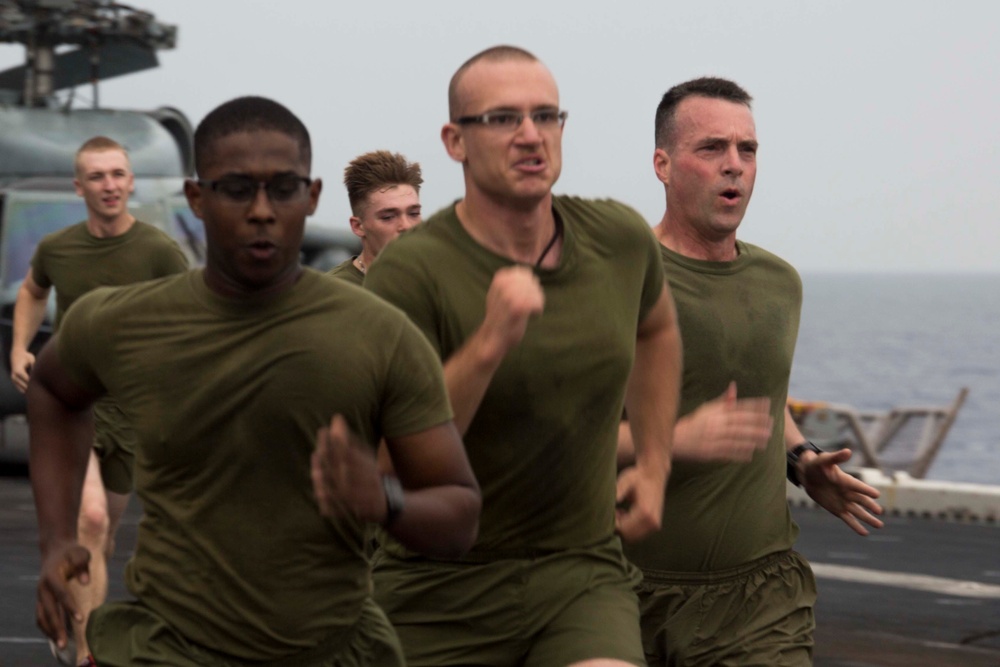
pixel 261 209
pixel 732 163
pixel 408 222
pixel 528 132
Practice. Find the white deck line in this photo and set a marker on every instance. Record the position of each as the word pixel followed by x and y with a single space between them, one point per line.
pixel 917 582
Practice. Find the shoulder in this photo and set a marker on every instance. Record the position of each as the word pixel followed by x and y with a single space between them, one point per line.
pixel 606 211
pixel 69 234
pixel 423 245
pixel 765 258
pixel 116 303
pixel 334 295
pixel 147 232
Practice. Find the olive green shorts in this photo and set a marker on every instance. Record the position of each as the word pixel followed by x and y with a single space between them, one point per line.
pixel 124 634
pixel 758 614
pixel 114 444
pixel 554 609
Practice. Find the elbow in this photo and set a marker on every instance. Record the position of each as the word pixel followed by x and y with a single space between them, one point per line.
pixel 465 528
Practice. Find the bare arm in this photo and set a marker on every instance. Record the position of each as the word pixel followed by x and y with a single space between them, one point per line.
pixel 29 311
pixel 651 401
pixel 833 489
pixel 514 296
pixel 61 435
pixel 726 428
pixel 441 496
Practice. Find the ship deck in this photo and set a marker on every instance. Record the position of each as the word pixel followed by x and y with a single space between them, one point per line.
pixel 919 592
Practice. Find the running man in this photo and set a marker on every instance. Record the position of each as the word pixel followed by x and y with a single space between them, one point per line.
pixel 110 247
pixel 257 388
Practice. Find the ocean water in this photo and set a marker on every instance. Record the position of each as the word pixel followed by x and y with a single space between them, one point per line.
pixel 875 341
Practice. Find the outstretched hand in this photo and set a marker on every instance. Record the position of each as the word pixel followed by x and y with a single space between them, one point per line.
pixel 841 494
pixel 345 474
pixel 55 604
pixel 726 428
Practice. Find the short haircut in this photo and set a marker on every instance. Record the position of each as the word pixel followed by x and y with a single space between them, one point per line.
pixel 248 114
pixel 493 54
pixel 96 145
pixel 707 86
pixel 376 170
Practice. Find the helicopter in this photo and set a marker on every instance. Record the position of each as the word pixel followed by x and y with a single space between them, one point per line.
pixel 74 44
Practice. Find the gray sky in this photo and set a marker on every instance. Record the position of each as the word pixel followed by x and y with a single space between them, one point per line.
pixel 878 121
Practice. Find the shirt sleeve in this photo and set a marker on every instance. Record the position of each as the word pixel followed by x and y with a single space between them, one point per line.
pixel 406 285
pixel 415 397
pixel 80 335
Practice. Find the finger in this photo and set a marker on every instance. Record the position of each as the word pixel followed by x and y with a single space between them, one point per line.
pixel 854 524
pixel 50 615
pixel 729 395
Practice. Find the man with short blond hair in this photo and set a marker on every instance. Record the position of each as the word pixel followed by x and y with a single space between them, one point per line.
pixel 384 191
pixel 539 305
pixel 109 248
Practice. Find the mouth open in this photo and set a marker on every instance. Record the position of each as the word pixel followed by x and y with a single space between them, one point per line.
pixel 730 194
pixel 262 249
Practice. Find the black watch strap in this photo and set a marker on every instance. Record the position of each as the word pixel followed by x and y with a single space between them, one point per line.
pixel 393 499
pixel 792 460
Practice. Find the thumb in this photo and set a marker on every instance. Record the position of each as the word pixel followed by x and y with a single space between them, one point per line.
pixel 729 395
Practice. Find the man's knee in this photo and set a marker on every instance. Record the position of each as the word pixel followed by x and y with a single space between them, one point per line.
pixel 94 522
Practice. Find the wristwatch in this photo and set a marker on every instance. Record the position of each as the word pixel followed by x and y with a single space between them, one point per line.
pixel 792 460
pixel 393 499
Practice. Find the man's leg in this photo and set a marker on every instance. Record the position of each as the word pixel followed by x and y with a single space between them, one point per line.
pixel 100 514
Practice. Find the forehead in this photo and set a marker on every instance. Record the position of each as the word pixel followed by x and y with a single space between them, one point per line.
pixel 517 84
pixel 111 159
pixel 253 152
pixel 400 196
pixel 698 117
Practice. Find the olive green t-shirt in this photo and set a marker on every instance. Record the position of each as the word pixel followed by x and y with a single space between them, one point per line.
pixel 542 443
pixel 74 261
pixel 346 270
pixel 739 321
pixel 226 397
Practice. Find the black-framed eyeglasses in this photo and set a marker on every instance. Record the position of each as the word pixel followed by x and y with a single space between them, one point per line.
pixel 243 189
pixel 511 120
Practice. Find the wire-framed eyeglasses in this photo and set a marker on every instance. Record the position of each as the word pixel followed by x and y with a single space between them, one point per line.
pixel 282 188
pixel 507 119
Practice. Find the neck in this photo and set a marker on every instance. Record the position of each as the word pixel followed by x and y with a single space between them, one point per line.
pixel 521 235
pixel 229 287
pixel 686 242
pixel 364 260
pixel 107 228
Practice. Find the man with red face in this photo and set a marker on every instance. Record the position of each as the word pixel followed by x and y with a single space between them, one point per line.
pixel 538 305
pixel 721 584
pixel 257 389
pixel 110 248
pixel 384 191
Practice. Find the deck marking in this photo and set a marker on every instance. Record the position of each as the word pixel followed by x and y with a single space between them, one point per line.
pixel 919 582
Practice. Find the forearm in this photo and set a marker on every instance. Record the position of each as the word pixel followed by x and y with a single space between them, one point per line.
pixel 29 312
pixel 60 440
pixel 653 396
pixel 440 521
pixel 467 375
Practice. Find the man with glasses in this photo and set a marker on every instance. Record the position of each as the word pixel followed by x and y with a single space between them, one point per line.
pixel 257 388
pixel 721 584
pixel 110 247
pixel 384 191
pixel 538 305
